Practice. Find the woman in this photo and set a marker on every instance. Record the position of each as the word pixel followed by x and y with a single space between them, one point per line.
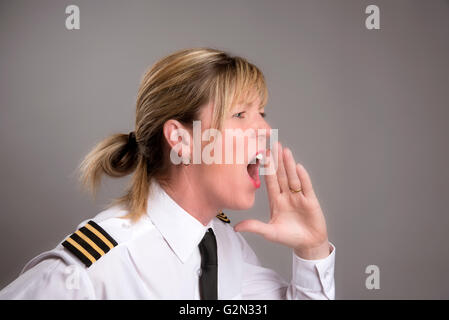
pixel 167 237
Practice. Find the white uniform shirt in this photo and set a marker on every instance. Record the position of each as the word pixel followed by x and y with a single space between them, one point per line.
pixel 158 258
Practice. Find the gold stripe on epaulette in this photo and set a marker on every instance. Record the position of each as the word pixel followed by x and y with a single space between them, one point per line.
pixel 89 243
pixel 81 249
pixel 223 217
pixel 99 235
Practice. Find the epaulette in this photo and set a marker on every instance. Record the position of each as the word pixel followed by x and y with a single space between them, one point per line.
pixel 89 243
pixel 223 217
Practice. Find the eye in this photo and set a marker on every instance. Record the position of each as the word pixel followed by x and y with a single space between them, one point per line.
pixel 239 115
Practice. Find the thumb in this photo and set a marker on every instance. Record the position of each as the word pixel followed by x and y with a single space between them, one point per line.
pixel 255 226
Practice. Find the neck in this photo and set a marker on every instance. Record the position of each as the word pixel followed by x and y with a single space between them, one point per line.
pixel 190 196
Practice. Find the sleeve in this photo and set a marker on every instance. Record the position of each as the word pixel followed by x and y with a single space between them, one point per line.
pixel 50 279
pixel 311 279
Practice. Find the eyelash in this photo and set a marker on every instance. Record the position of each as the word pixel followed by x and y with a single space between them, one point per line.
pixel 262 114
pixel 236 115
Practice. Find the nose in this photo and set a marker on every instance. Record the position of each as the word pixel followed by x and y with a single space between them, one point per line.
pixel 263 128
pixel 263 132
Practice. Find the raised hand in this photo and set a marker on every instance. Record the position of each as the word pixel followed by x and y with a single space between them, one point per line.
pixel 296 218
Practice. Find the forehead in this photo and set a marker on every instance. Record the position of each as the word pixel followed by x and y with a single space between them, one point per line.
pixel 249 104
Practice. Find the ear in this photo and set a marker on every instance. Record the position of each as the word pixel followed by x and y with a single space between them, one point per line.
pixel 179 139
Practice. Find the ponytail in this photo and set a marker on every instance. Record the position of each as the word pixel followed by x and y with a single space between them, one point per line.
pixel 117 156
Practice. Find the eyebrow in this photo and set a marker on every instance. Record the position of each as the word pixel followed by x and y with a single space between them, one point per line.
pixel 248 105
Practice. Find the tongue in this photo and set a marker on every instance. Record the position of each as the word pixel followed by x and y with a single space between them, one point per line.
pixel 253 172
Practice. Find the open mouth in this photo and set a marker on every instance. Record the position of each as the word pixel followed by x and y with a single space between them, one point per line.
pixel 253 170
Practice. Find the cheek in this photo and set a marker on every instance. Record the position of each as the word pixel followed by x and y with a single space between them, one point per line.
pixel 229 185
pixel 224 175
pixel 237 148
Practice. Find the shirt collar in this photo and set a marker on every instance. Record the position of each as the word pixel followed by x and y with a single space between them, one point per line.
pixel 182 231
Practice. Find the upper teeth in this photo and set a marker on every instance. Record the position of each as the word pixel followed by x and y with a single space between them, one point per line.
pixel 259 156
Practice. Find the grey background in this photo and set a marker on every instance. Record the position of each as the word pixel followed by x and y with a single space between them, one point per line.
pixel 365 111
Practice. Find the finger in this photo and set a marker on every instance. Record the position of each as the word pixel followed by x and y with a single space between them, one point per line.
pixel 290 167
pixel 270 179
pixel 254 226
pixel 281 174
pixel 306 183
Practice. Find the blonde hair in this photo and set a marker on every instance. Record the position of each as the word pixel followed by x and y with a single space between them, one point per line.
pixel 175 87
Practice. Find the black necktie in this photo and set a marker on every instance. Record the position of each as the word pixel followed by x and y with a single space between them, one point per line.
pixel 209 267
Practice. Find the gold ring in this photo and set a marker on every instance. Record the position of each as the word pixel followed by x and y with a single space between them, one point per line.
pixel 295 191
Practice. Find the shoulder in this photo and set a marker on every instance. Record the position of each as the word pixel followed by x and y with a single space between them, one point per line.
pixel 228 234
pixel 222 224
pixel 50 275
pixel 89 243
pixel 65 272
pixel 103 237
pixel 234 240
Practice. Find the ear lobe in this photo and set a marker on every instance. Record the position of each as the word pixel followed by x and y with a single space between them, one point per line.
pixel 184 144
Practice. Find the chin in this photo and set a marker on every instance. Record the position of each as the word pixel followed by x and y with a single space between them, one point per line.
pixel 244 202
